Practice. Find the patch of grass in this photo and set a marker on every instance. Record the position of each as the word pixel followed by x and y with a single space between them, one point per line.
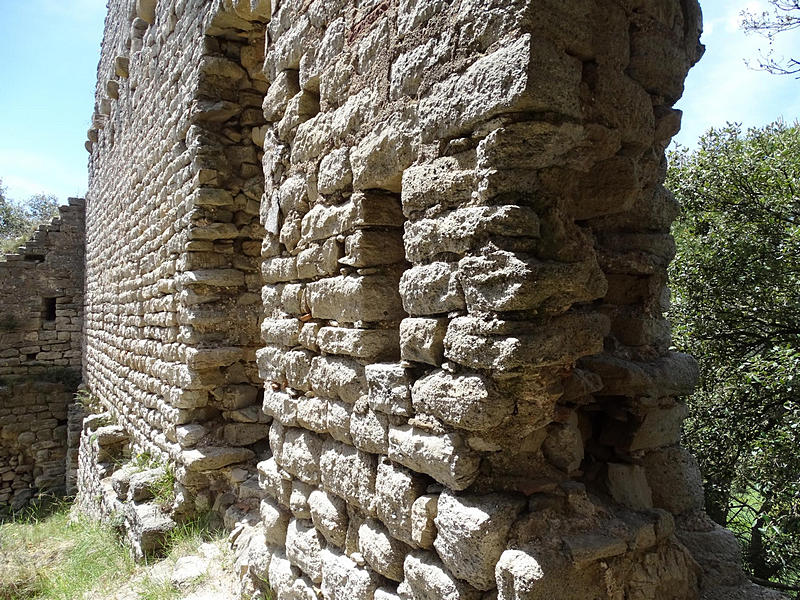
pixel 49 553
pixel 150 588
pixel 58 556
pixel 35 511
pixel 190 534
pixel 163 488
pixel 89 402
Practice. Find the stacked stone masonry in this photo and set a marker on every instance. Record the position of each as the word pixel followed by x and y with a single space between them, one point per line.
pixel 41 316
pixel 385 281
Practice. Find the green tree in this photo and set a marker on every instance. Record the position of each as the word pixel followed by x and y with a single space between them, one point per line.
pixel 18 221
pixel 41 208
pixel 736 308
pixel 13 221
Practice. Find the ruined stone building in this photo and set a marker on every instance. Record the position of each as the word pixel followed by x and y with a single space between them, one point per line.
pixel 41 308
pixel 384 282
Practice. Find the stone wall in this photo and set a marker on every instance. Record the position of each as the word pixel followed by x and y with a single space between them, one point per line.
pixel 173 288
pixel 41 311
pixel 462 238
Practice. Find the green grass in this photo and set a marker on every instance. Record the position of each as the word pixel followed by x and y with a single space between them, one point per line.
pixel 48 553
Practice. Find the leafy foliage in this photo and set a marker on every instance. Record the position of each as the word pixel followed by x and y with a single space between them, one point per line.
pixel 19 220
pixel 736 308
pixel 783 16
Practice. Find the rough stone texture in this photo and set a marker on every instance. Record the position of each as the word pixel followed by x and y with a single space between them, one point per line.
pixel 41 317
pixel 172 250
pixel 454 217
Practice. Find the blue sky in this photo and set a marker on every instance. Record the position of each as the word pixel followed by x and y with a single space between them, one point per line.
pixel 721 88
pixel 48 60
pixel 49 51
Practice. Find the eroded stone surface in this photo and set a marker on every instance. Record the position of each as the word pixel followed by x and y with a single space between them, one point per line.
pixel 406 223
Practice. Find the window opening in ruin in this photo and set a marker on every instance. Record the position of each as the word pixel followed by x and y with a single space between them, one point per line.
pixel 30 356
pixel 49 309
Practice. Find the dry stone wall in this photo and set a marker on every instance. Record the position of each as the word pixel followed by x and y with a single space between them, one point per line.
pixel 173 283
pixel 41 316
pixel 454 214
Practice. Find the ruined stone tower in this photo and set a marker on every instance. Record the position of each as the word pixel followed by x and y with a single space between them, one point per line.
pixel 385 281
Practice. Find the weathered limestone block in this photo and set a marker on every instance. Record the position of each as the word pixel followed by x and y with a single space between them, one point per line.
pixel 396 490
pixel 356 298
pixel 244 434
pixel 442 183
pixel 148 528
pixel 432 289
pixel 672 375
pixel 233 396
pixel 343 579
pixel 369 344
pixel 337 377
pixel 334 172
pixel 426 578
pixel 276 485
pixel 628 485
pixel 563 446
pixel 369 430
pixel 490 345
pixel 675 480
pixel 303 548
pixel 372 248
pixel 298 500
pixel 349 473
pixel 473 532
pixel 381 551
pixel 381 157
pixel 444 457
pixel 364 209
pixel 337 420
pixel 298 366
pixel 280 405
pixel 282 574
pixel 300 455
pixel 465 229
pixel 312 413
pixel 329 514
pixel 527 75
pixel 467 401
pixel 504 281
pixel 423 520
pixel 422 340
pixel 319 260
pixel 211 458
pixel 389 389
pixel 408 69
pixel 275 521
